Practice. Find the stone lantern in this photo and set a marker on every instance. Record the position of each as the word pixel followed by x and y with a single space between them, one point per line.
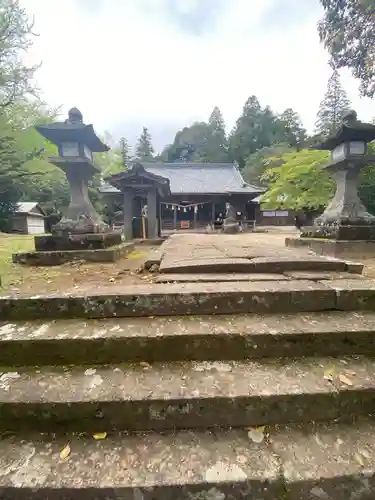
pixel 81 234
pixel 76 143
pixel 345 219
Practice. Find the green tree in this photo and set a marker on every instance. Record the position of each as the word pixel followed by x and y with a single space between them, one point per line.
pixel 10 165
pixel 332 107
pixel 256 128
pixel 109 162
pixel 41 181
pixel 144 148
pixel 216 144
pixel 348 32
pixel 29 174
pixel 189 144
pixel 257 162
pixel 16 34
pixel 291 128
pixel 297 181
pixel 124 148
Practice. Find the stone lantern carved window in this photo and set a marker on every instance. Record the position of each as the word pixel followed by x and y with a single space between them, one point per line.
pixel 339 152
pixel 357 148
pixel 69 149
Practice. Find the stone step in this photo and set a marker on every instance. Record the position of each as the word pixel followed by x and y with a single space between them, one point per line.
pixel 275 264
pixel 317 461
pixel 196 298
pixel 217 277
pixel 186 395
pixel 184 338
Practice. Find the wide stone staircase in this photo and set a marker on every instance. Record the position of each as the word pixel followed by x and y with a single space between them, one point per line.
pixel 256 390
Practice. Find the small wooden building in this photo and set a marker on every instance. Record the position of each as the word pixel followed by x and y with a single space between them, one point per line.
pixel 198 193
pixel 29 218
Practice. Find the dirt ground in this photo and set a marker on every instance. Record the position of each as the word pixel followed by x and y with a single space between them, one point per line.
pixel 78 276
pixel 87 277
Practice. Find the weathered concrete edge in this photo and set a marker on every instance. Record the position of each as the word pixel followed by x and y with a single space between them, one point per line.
pixel 217 346
pixel 347 480
pixel 153 258
pixel 167 303
pixel 328 248
pixel 55 258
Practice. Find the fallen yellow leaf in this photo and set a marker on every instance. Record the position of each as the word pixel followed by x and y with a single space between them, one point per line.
pixel 345 380
pixel 256 434
pixel 100 435
pixel 65 452
pixel 358 459
pixel 329 374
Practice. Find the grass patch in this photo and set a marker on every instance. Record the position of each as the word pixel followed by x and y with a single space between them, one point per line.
pixel 9 245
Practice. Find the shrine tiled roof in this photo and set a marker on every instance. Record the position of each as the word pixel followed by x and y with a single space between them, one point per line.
pixel 199 178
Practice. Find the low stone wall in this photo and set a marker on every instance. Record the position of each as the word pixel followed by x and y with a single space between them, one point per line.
pixel 62 257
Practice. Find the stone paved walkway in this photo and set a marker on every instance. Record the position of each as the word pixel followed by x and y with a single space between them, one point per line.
pixel 244 253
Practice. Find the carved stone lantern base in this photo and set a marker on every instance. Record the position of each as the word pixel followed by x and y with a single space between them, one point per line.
pixel 345 218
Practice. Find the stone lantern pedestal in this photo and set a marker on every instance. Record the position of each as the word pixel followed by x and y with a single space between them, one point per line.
pixel 345 226
pixel 81 234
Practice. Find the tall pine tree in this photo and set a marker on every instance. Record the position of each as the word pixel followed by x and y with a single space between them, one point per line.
pixel 144 149
pixel 216 141
pixel 332 107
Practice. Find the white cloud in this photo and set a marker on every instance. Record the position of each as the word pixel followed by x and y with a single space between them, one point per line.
pixel 124 63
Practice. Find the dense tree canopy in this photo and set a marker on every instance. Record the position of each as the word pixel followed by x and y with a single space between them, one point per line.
pixel 348 32
pixel 258 162
pixel 254 129
pixel 200 142
pixel 297 181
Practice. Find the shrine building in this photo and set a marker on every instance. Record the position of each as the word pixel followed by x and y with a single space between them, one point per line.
pixel 183 195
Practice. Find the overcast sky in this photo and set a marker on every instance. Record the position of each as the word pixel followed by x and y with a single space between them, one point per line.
pixel 167 63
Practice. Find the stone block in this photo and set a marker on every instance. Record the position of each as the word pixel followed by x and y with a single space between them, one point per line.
pixel 281 264
pixel 327 461
pixel 354 294
pixel 184 338
pixel 94 241
pixel 153 258
pixel 333 247
pixel 206 265
pixel 185 465
pixel 57 258
pixel 275 265
pixel 187 395
pixel 176 299
pixel 342 232
pixel 216 277
pixel 321 275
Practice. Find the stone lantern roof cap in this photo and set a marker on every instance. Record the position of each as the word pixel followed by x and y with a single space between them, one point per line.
pixel 73 130
pixel 350 130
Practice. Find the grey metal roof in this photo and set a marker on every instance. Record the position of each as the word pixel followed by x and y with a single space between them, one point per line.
pixel 25 207
pixel 199 178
